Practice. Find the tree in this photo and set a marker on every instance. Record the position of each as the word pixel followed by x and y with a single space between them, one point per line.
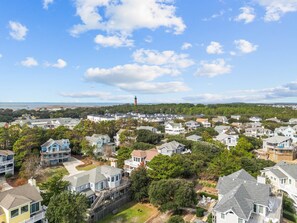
pixel 67 207
pixel 142 146
pixel 140 184
pixel 176 219
pixel 147 136
pixel 53 186
pixel 30 166
pixel 243 143
pixel 123 154
pixel 172 194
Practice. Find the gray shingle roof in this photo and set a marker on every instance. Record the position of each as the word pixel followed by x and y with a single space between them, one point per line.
pixel 278 173
pixel 277 139
pixel 173 145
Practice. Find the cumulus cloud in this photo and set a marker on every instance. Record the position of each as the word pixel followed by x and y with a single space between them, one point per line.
pixel 214 48
pixel 59 64
pixel 46 3
pixel 245 46
pixel 17 30
pixel 117 17
pixel 285 91
pixel 213 68
pixel 113 41
pixel 104 96
pixel 29 62
pixel 186 46
pixel 247 15
pixel 165 58
pixel 275 9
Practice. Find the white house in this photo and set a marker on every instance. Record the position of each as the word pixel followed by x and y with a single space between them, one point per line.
pixel 244 200
pixel 100 118
pixel 293 121
pixel 236 117
pixel 221 119
pixel 283 176
pixel 92 181
pixel 171 148
pixel 194 138
pixel 258 132
pixel 287 131
pixel 255 119
pixel 192 125
pixel 149 128
pixel 228 140
pixel 174 128
pixel 6 162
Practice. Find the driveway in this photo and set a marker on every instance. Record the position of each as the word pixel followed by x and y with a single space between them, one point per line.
pixel 71 166
pixel 5 186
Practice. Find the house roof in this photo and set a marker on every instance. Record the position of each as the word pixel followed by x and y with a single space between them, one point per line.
pixel 139 153
pixel 173 145
pixel 194 137
pixel 240 191
pixel 18 196
pixel 52 141
pixel 277 139
pixel 278 173
pixel 6 152
pixel 149 128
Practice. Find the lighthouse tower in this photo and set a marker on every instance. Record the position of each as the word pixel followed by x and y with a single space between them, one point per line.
pixel 135 101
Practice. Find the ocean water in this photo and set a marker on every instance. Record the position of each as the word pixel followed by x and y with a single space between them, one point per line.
pixel 36 105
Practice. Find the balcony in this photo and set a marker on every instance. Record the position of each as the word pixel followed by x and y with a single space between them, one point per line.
pixel 37 217
pixel 55 152
pixel 5 162
pixel 55 157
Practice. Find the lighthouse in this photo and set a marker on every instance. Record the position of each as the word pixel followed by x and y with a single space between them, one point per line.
pixel 135 101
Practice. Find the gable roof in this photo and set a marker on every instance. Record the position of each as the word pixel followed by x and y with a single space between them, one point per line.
pixel 52 141
pixel 18 196
pixel 173 145
pixel 277 139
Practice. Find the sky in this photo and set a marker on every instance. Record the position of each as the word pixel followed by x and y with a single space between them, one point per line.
pixel 162 51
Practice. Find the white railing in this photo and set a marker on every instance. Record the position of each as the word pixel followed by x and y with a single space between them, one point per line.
pixel 6 162
pixel 36 217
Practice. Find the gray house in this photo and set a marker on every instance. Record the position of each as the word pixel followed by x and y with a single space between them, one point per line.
pixel 101 144
pixel 171 148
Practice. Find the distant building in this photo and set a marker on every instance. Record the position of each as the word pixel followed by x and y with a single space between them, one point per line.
pixel 192 125
pixel 139 157
pixel 228 140
pixel 21 205
pixel 101 144
pixel 242 199
pixel 220 119
pixel 6 162
pixel 171 148
pixel 275 119
pixel 204 122
pixel 149 128
pixel 100 118
pixel 258 132
pixel 255 119
pixel 287 131
pixel 236 117
pixel 293 121
pixel 174 128
pixel 54 152
pixel 194 138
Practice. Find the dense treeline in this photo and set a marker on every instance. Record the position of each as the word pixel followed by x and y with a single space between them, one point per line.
pixel 246 110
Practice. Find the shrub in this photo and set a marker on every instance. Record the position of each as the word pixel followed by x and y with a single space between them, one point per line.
pixel 8 175
pixel 290 216
pixel 209 218
pixel 200 212
pixel 175 219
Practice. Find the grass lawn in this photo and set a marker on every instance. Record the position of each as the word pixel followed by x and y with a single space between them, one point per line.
pixel 88 167
pixel 45 173
pixel 131 213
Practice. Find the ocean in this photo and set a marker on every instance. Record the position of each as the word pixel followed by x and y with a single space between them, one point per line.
pixel 36 105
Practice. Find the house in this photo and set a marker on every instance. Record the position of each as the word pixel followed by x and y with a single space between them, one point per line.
pixel 6 162
pixel 287 131
pixel 101 144
pixel 204 122
pixel 139 157
pixel 221 128
pixel 192 125
pixel 258 132
pixel 293 121
pixel 130 136
pixel 21 205
pixel 95 180
pixel 220 119
pixel 241 199
pixel 283 177
pixel 100 118
pixel 255 119
pixel 148 128
pixel 174 128
pixel 236 117
pixel 278 148
pixel 194 138
pixel 54 152
pixel 228 140
pixel 275 119
pixel 171 148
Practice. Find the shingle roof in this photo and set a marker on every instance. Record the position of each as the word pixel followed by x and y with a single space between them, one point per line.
pixel 18 196
pixel 6 152
pixel 173 145
pixel 277 139
pixel 278 173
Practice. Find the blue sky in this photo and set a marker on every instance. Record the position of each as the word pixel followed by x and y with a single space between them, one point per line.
pixel 200 51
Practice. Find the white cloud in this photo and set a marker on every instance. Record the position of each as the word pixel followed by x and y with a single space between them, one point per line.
pixel 165 58
pixel 213 68
pixel 214 48
pixel 245 46
pixel 104 96
pixel 1 55
pixel 127 73
pixel 275 9
pixel 214 16
pixel 186 46
pixel 155 87
pixel 29 62
pixel 113 41
pixel 17 30
pixel 285 91
pixel 59 64
pixel 117 17
pixel 46 3
pixel 148 39
pixel 247 15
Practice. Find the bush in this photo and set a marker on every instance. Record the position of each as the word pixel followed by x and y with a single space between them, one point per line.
pixel 175 219
pixel 209 218
pixel 201 194
pixel 8 175
pixel 200 212
pixel 290 216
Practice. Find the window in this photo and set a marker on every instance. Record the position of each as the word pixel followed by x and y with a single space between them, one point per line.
pixel 24 209
pixel 34 207
pixel 222 216
pixel 255 208
pixel 112 179
pixel 14 213
pixel 261 210
pixel 240 220
pixel 117 177
pixel 290 181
